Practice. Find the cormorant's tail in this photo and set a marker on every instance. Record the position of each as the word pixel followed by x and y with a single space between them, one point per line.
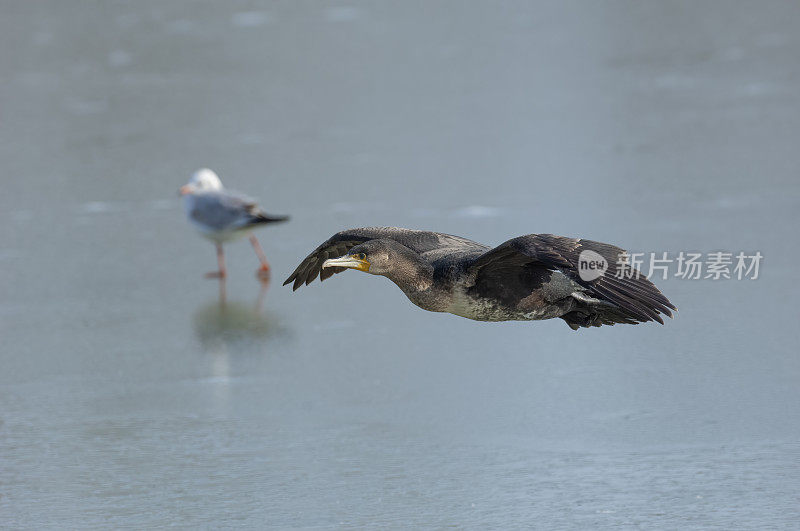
pixel 590 310
pixel 597 317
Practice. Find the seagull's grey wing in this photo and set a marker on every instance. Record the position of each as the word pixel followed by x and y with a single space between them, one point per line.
pixel 221 211
pixel 340 243
pixel 632 293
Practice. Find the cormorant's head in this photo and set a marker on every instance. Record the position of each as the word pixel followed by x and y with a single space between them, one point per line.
pixel 203 180
pixel 375 257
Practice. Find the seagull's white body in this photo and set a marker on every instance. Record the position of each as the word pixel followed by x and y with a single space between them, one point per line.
pixel 202 208
pixel 216 213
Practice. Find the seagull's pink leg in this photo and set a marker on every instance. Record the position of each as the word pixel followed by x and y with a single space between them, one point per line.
pixel 263 271
pixel 220 263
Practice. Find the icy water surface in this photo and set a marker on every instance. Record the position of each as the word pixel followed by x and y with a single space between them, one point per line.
pixel 131 396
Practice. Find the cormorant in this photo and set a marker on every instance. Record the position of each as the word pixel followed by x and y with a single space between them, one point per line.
pixel 222 216
pixel 537 276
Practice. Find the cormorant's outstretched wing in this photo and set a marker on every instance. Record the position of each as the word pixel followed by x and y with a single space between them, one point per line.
pixel 632 293
pixel 340 243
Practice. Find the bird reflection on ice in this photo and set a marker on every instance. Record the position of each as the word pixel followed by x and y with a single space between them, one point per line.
pixel 223 325
pixel 227 330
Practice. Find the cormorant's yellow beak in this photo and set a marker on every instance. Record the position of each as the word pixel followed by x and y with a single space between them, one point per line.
pixel 351 262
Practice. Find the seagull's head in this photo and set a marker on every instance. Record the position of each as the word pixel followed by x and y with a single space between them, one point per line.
pixel 203 180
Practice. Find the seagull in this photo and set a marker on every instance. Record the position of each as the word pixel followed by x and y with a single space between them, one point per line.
pixel 222 216
pixel 532 277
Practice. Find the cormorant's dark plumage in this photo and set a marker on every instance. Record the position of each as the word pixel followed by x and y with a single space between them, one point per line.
pixel 526 278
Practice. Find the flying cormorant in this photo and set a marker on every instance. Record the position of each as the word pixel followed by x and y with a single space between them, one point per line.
pixel 221 215
pixel 538 276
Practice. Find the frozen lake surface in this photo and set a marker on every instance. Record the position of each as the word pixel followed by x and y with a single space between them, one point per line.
pixel 130 396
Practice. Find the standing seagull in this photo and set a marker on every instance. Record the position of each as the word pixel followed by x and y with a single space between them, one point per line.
pixel 222 216
pixel 532 277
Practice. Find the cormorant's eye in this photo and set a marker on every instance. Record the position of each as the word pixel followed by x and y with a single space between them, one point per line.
pixel 361 256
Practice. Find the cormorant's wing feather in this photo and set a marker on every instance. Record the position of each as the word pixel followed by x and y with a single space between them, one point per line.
pixel 631 292
pixel 340 243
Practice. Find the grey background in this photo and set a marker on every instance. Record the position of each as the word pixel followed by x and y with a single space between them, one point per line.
pixel 130 397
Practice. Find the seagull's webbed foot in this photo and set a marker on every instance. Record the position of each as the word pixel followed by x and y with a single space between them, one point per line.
pixel 264 273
